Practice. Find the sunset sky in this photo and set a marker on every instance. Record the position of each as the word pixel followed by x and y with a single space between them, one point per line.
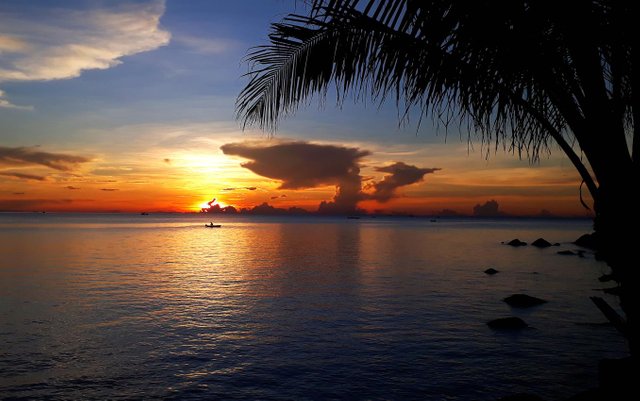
pixel 129 106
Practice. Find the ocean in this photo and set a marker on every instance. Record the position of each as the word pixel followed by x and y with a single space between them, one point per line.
pixel 123 306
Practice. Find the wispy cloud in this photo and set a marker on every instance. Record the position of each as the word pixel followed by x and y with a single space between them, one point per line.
pixel 5 103
pixel 24 156
pixel 206 46
pixel 23 176
pixel 30 204
pixel 54 43
pixel 240 188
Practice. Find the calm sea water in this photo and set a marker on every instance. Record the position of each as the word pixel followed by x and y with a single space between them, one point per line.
pixel 130 306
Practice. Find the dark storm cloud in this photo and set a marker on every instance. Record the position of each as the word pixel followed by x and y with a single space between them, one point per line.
pixel 30 156
pixel 302 165
pixel 400 174
pixel 488 209
pixel 23 176
pixel 299 164
pixel 306 165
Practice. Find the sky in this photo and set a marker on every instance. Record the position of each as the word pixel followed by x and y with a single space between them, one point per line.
pixel 128 106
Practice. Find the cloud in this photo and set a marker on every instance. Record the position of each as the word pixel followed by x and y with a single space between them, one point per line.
pixel 23 176
pixel 11 205
pixel 12 44
pixel 72 188
pixel 5 103
pixel 400 174
pixel 168 161
pixel 45 43
pixel 488 209
pixel 299 164
pixel 267 209
pixel 21 156
pixel 239 188
pixel 302 165
pixel 206 46
pixel 18 193
pixel 108 189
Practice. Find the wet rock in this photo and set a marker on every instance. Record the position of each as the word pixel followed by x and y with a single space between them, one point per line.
pixel 507 323
pixel 523 301
pixel 588 241
pixel 516 242
pixel 541 243
pixel 566 252
pixel 491 271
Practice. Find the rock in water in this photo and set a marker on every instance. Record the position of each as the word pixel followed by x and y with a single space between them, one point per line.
pixel 507 323
pixel 523 301
pixel 587 241
pixel 541 243
pixel 516 242
pixel 491 271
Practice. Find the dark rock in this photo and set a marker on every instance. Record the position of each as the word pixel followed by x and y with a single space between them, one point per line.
pixel 521 397
pixel 566 252
pixel 523 301
pixel 507 323
pixel 491 271
pixel 516 242
pixel 588 241
pixel 605 277
pixel 556 244
pixel 541 243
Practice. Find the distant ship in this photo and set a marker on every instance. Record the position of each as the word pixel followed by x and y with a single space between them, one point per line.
pixel 144 214
pixel 211 225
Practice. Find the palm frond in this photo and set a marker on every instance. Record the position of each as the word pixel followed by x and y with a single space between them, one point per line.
pixel 477 62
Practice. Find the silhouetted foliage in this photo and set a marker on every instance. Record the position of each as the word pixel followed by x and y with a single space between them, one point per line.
pixel 521 74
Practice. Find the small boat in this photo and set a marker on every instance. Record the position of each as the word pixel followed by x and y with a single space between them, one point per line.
pixel 211 225
pixel 144 214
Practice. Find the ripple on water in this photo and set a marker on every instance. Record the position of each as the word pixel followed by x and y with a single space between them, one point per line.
pixel 292 309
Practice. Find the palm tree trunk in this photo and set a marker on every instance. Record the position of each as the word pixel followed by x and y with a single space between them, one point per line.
pixel 615 223
pixel 617 219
